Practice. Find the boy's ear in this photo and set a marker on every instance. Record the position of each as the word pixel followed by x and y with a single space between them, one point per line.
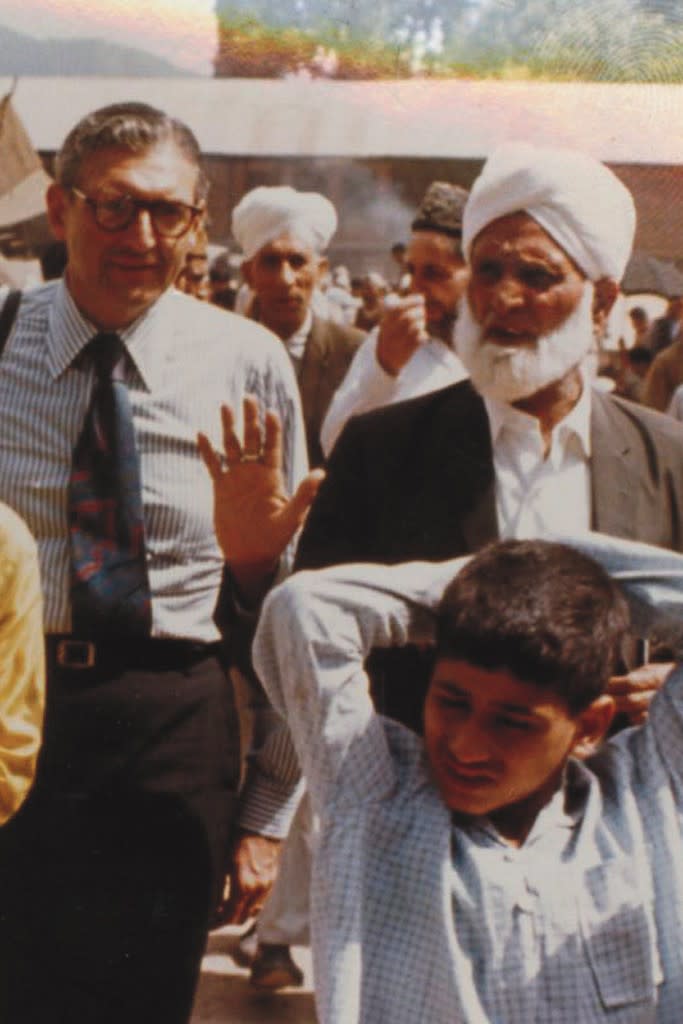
pixel 592 725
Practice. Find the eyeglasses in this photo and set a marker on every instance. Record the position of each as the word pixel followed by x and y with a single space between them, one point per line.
pixel 170 218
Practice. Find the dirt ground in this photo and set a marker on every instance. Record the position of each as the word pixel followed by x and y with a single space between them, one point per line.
pixel 225 996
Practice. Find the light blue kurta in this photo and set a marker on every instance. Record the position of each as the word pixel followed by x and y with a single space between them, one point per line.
pixel 417 922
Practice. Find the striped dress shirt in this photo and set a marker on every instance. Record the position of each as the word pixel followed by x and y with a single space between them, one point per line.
pixel 417 919
pixel 186 358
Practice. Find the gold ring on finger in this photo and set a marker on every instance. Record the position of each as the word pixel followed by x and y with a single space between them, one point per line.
pixel 251 456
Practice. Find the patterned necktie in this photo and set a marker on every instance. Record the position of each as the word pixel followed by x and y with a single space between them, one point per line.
pixel 109 584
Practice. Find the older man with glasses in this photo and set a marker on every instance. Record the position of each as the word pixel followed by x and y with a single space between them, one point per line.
pixel 110 871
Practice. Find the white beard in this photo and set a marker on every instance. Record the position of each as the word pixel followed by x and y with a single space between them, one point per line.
pixel 510 373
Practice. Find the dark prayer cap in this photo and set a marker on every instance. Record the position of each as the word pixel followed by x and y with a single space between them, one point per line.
pixel 441 209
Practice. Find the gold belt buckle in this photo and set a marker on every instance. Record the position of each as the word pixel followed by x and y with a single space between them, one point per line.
pixel 76 654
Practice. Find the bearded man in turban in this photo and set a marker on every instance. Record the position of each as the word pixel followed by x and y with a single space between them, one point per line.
pixel 525 447
pixel 283 234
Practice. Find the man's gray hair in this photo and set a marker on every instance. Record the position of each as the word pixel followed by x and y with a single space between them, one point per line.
pixel 136 127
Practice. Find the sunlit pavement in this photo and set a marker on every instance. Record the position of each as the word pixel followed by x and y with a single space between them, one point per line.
pixel 226 997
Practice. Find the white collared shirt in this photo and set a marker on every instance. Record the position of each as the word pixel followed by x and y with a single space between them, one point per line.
pixel 296 343
pixel 538 494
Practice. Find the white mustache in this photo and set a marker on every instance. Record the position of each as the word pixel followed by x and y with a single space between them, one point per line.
pixel 512 372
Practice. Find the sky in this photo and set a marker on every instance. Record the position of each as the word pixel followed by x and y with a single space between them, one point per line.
pixel 182 31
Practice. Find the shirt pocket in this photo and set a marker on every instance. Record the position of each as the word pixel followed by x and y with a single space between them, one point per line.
pixel 619 936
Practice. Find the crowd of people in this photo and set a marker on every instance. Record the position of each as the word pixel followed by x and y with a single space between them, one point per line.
pixel 364 302
pixel 346 611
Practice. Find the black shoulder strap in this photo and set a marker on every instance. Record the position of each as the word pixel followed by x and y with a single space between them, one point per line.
pixel 9 311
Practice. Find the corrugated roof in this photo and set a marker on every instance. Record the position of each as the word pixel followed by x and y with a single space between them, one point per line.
pixel 455 118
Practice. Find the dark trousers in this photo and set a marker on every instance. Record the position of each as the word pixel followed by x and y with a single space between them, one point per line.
pixel 109 872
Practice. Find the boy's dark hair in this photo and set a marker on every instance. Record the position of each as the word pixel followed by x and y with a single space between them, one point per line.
pixel 539 610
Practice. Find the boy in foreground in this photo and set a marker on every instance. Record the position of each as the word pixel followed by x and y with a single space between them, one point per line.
pixel 510 867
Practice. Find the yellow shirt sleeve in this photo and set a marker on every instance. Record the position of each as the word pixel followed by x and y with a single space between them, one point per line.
pixel 22 662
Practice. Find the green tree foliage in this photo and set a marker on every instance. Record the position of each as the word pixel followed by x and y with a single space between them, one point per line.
pixel 378 20
pixel 608 40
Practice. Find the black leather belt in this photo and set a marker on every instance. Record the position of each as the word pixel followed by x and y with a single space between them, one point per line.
pixel 75 654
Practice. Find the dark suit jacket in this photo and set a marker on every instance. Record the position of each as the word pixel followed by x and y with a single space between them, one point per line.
pixel 416 481
pixel 330 347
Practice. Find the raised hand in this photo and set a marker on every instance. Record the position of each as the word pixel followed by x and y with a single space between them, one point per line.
pixel 402 329
pixel 634 691
pixel 254 517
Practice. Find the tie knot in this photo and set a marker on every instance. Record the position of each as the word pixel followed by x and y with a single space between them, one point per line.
pixel 106 351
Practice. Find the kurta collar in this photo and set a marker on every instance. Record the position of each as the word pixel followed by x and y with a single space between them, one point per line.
pixel 503 416
pixel 296 343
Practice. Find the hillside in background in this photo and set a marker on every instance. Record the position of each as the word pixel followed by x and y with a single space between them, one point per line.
pixel 22 55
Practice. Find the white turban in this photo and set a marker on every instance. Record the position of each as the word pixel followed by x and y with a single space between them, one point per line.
pixel 580 203
pixel 267 213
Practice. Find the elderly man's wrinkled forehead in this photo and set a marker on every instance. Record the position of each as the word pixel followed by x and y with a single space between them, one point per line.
pixel 291 242
pixel 576 199
pixel 520 233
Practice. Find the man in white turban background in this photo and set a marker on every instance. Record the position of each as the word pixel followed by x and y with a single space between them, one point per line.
pixel 526 447
pixel 283 234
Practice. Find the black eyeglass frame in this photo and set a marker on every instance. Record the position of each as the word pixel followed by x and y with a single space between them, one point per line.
pixel 135 206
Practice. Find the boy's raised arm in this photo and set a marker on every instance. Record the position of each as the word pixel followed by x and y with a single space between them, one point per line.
pixel 652 578
pixel 315 631
pixel 318 627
